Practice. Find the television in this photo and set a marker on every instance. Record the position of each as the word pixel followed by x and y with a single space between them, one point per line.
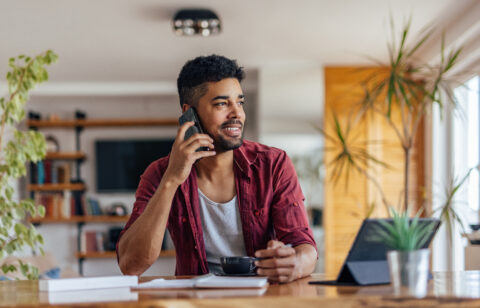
pixel 119 163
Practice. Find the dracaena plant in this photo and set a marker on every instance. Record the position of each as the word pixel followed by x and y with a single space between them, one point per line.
pixel 405 89
pixel 17 148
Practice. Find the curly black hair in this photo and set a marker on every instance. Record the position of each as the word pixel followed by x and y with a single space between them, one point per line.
pixel 195 73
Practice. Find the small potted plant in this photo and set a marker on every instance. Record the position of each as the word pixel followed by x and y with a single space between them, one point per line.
pixel 408 261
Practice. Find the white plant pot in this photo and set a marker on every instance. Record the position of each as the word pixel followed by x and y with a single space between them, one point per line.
pixel 409 272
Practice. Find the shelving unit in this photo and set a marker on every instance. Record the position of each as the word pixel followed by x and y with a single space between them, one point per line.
pixel 66 155
pixel 77 185
pixel 102 123
pixel 82 219
pixel 56 187
pixel 112 254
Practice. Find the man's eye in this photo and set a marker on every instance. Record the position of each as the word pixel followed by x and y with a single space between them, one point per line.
pixel 241 103
pixel 220 104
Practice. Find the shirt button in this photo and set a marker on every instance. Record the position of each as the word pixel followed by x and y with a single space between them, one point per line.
pixel 196 247
pixel 295 203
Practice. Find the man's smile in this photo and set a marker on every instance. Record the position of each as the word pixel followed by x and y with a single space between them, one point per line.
pixel 232 129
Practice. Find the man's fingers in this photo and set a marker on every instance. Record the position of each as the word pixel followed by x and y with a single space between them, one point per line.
pixel 275 272
pixel 274 244
pixel 192 146
pixel 283 251
pixel 183 129
pixel 275 262
pixel 201 154
pixel 280 279
pixel 196 137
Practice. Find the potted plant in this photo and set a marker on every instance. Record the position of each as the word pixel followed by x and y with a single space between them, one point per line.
pixel 402 94
pixel 17 148
pixel 408 261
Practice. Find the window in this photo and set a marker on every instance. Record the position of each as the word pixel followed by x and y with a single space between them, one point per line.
pixel 466 142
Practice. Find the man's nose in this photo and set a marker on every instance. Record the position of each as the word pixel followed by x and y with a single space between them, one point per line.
pixel 235 110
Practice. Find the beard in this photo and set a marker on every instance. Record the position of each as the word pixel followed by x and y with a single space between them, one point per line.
pixel 223 144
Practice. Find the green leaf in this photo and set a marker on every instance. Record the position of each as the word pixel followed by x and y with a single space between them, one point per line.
pixel 40 210
pixel 7 268
pixel 20 228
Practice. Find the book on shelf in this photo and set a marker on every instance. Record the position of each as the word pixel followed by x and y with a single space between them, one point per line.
pixel 92 241
pixel 40 173
pixel 59 204
pixel 92 207
pixel 48 165
pixel 53 203
pixel 66 204
pixel 49 171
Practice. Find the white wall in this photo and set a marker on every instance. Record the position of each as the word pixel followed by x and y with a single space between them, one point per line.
pixel 291 100
pixel 290 106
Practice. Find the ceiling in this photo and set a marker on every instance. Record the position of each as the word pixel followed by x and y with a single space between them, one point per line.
pixel 133 41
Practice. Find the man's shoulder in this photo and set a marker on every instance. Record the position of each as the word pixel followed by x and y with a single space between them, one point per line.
pixel 253 150
pixel 158 166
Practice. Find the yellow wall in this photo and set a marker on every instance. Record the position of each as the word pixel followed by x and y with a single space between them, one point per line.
pixel 346 207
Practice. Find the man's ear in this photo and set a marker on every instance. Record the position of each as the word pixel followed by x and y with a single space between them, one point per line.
pixel 185 107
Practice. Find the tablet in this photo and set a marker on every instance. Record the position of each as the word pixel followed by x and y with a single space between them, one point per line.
pixel 366 262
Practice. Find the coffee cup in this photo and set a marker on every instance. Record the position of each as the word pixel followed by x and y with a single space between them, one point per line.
pixel 238 265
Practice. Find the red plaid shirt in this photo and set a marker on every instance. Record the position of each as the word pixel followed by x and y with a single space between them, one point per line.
pixel 269 198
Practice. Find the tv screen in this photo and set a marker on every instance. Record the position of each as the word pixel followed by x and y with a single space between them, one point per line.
pixel 119 163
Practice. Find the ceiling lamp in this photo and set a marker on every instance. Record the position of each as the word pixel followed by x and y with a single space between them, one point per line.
pixel 196 22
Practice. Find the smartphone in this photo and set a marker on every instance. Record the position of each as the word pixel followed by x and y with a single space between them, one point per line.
pixel 191 116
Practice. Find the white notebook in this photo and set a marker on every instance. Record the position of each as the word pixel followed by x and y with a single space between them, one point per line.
pixel 89 296
pixel 85 283
pixel 206 281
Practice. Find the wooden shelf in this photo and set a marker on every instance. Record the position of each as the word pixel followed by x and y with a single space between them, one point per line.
pixel 112 254
pixel 56 187
pixel 76 219
pixel 65 155
pixel 103 122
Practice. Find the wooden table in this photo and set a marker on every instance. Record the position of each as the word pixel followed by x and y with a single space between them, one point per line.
pixel 461 289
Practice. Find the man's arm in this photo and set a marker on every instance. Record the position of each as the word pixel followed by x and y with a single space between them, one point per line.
pixel 141 244
pixel 283 263
pixel 289 219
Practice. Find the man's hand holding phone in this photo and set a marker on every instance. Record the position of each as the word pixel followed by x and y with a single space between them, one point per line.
pixel 184 154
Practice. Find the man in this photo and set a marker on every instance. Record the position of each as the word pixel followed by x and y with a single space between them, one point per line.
pixel 238 198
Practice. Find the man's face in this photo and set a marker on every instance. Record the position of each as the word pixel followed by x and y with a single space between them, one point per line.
pixel 222 115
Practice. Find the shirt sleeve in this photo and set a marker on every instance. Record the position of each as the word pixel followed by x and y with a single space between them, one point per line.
pixel 149 181
pixel 290 219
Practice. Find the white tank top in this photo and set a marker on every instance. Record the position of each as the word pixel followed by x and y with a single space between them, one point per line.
pixel 222 230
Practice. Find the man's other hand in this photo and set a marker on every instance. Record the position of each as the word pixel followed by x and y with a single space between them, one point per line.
pixel 278 262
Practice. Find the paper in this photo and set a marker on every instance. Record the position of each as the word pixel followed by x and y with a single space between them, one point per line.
pixel 85 283
pixel 88 296
pixel 206 281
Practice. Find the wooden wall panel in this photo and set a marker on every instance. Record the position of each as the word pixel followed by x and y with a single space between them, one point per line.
pixel 345 208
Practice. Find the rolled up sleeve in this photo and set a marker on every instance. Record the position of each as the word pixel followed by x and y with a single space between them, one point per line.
pixel 290 220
